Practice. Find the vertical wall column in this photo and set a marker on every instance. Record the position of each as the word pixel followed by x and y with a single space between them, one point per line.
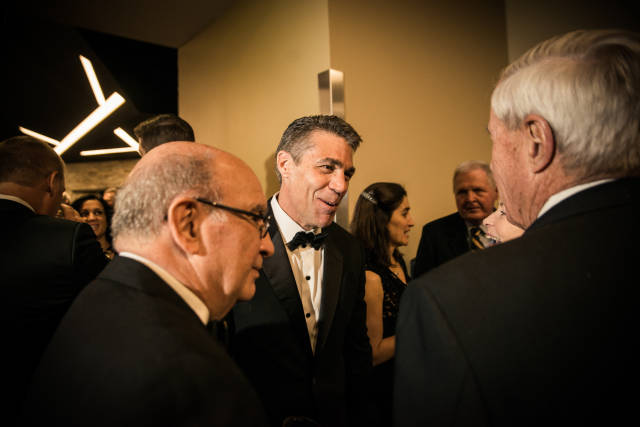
pixel 331 89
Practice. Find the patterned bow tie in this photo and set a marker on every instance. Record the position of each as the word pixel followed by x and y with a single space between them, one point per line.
pixel 303 239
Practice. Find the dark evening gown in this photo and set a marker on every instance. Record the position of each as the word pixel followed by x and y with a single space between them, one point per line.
pixel 382 376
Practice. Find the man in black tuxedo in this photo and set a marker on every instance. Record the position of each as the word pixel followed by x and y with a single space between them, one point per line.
pixel 44 261
pixel 539 330
pixel 453 235
pixel 302 340
pixel 134 348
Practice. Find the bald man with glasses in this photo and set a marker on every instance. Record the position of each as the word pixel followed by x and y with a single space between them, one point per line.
pixel 190 228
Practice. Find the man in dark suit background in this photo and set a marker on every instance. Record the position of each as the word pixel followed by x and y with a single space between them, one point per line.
pixel 539 330
pixel 134 348
pixel 453 235
pixel 161 129
pixel 302 340
pixel 44 261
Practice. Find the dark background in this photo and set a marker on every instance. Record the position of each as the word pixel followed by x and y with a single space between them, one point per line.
pixel 45 89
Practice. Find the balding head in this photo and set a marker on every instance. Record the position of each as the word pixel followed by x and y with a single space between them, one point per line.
pixel 174 210
pixel 172 169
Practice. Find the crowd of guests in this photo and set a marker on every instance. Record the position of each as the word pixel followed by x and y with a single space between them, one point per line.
pixel 186 297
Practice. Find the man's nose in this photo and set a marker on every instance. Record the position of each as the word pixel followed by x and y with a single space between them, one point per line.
pixel 266 246
pixel 339 183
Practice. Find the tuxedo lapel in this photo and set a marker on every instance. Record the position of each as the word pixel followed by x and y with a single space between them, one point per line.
pixel 331 283
pixel 277 270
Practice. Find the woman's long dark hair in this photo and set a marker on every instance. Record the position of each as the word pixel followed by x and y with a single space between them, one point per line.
pixel 373 212
pixel 77 205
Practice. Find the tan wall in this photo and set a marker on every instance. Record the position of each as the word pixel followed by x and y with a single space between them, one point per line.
pixel 251 73
pixel 418 75
pixel 417 83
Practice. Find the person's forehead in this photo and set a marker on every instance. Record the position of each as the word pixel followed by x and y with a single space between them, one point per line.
pixel 240 186
pixel 323 144
pixel 91 203
pixel 493 119
pixel 474 177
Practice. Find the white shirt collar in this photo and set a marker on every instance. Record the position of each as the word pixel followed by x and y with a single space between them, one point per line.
pixel 17 200
pixel 566 193
pixel 185 293
pixel 288 227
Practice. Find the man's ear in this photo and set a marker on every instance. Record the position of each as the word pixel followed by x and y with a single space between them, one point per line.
pixel 51 183
pixel 284 161
pixel 184 218
pixel 541 140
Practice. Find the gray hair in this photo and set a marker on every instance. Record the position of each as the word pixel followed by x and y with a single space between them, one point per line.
pixel 470 165
pixel 586 84
pixel 144 199
pixel 294 139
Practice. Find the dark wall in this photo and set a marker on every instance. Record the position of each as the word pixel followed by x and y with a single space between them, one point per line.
pixel 45 89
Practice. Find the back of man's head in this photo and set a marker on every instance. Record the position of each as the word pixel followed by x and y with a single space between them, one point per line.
pixel 28 162
pixel 145 197
pixel 161 129
pixel 586 84
pixel 294 139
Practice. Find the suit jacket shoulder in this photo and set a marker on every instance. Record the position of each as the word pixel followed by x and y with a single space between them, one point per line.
pixel 131 352
pixel 528 326
pixel 441 240
pixel 45 263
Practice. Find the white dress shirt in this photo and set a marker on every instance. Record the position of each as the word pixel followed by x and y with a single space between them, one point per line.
pixel 307 267
pixel 565 194
pixel 185 293
pixel 17 200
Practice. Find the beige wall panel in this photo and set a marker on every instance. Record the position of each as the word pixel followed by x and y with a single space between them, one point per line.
pixel 251 73
pixel 418 77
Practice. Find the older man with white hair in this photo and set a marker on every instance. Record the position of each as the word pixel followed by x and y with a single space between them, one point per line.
pixel 460 232
pixel 537 331
pixel 134 349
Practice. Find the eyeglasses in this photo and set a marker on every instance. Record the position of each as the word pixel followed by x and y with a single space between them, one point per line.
pixel 261 221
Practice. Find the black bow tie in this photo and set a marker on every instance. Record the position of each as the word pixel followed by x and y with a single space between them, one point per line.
pixel 303 239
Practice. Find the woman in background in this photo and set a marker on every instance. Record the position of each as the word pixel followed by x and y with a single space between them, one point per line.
pixel 498 228
pixel 382 221
pixel 94 211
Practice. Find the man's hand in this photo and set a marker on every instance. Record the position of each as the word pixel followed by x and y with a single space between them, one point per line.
pixel 67 212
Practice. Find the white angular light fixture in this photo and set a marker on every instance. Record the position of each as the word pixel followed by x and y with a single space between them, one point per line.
pixel 92 120
pixel 105 108
pixel 36 135
pixel 123 135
